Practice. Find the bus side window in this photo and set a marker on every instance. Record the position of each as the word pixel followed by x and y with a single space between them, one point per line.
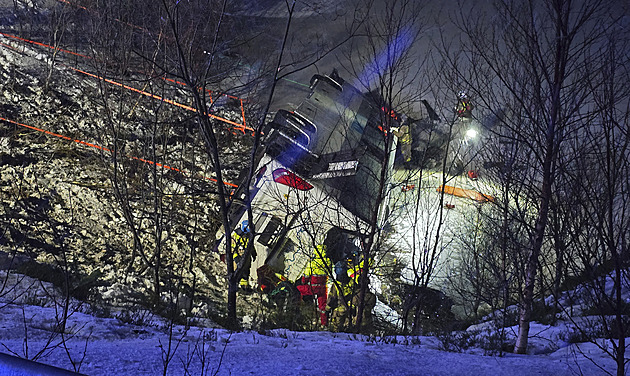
pixel 270 231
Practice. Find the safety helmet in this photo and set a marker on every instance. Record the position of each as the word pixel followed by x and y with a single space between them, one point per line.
pixel 245 226
pixel 462 94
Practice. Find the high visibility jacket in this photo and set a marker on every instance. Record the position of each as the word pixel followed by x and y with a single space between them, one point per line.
pixel 239 245
pixel 320 264
pixel 354 272
pixel 464 107
pixel 348 289
pixel 404 137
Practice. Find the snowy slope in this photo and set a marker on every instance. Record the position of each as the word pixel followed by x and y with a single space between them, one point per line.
pixel 108 346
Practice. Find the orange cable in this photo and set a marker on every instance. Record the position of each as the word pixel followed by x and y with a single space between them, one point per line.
pixel 167 167
pixel 154 96
pixel 43 45
pixel 241 127
pixel 146 31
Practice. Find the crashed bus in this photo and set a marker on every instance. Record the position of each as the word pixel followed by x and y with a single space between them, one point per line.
pixel 319 171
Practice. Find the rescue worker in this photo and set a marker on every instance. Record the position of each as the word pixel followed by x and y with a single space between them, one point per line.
pixel 339 303
pixel 404 138
pixel 240 240
pixel 464 106
pixel 367 321
pixel 344 300
pixel 314 279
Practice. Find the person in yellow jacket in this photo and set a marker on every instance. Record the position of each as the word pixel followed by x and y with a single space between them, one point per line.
pixel 404 139
pixel 464 106
pixel 344 299
pixel 314 279
pixel 240 240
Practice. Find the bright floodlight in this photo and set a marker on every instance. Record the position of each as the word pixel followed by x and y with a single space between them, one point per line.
pixel 471 133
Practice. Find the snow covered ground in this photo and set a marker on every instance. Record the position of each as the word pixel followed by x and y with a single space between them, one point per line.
pixel 113 346
pixel 138 343
pixel 418 210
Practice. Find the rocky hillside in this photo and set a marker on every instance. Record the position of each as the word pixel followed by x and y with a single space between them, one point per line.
pixel 83 205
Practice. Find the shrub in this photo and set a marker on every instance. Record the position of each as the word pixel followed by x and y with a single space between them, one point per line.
pixel 141 317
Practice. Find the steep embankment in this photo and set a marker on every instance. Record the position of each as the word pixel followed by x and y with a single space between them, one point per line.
pixel 107 225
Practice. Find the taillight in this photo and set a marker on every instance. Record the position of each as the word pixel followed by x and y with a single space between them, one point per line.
pixel 290 179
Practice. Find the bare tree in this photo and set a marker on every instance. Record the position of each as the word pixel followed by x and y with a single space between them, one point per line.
pixel 59 22
pixel 439 147
pixel 198 73
pixel 600 175
pixel 384 62
pixel 188 33
pixel 536 63
pixel 145 138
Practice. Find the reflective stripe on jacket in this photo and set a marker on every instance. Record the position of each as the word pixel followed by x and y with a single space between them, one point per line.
pixel 239 242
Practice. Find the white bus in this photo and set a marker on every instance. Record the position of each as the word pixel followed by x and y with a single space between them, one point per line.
pixel 320 168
